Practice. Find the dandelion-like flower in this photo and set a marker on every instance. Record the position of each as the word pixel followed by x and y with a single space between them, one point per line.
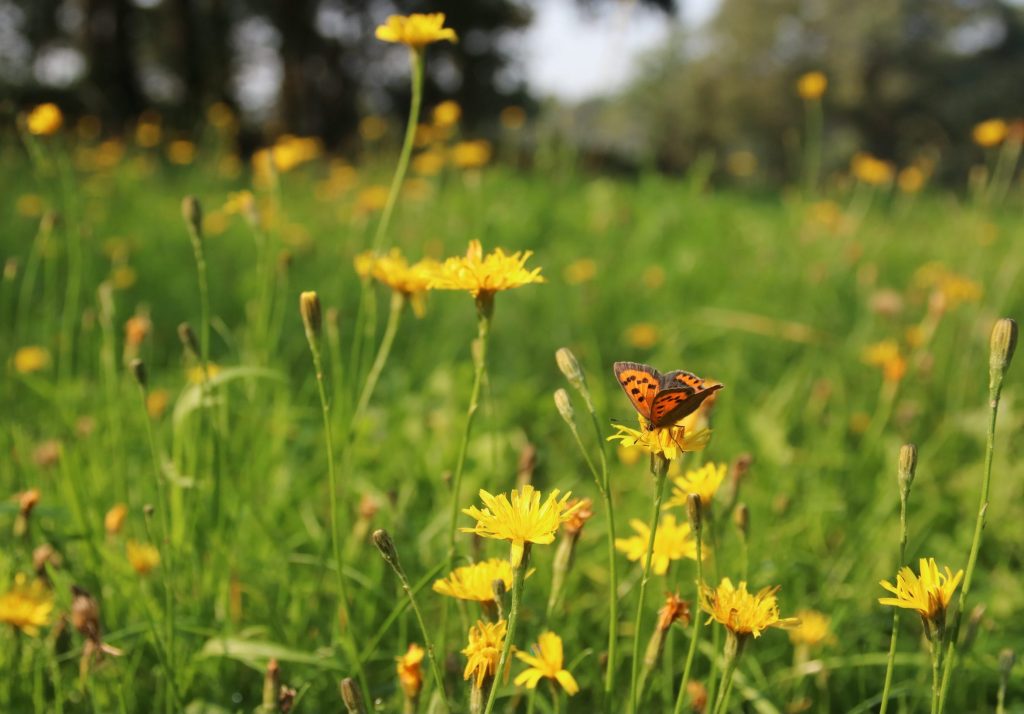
pixel 416 31
pixel 45 119
pixel 520 518
pixel 471 154
pixel 26 606
pixel 673 541
pixel 704 481
pixel 887 355
pixel 486 640
pixel 476 581
pixel 411 281
pixel 113 521
pixel 142 556
pixel 675 609
pixel 483 275
pixel 546 661
pixel 929 593
pixel 30 359
pixel 991 132
pixel 871 170
pixel 812 85
pixel 814 629
pixel 668 441
pixel 410 671
pixel 740 612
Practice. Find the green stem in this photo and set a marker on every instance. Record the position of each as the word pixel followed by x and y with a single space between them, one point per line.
pixel 518 583
pixel 613 577
pixel 890 664
pixel 695 634
pixel 397 303
pixel 416 59
pixel 953 632
pixel 346 627
pixel 659 468
pixel 936 648
pixel 725 685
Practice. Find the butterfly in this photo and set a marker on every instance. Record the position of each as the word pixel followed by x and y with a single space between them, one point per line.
pixel 662 399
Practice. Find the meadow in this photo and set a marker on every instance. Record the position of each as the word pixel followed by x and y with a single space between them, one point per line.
pixel 169 528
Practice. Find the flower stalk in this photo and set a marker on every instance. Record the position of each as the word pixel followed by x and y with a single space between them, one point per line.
pixel 518 584
pixel 693 510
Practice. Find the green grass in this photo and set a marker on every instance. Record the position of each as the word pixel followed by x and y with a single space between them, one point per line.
pixel 755 294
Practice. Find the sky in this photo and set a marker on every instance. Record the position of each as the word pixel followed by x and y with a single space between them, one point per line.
pixel 576 53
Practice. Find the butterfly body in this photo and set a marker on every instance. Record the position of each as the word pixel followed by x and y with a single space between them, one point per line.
pixel 662 399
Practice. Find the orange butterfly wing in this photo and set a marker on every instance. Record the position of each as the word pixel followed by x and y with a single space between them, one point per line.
pixel 641 384
pixel 671 405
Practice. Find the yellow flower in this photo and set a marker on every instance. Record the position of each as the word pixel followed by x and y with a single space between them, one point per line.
pixel 142 556
pixel 194 375
pixel 675 609
pixel 673 541
pixel 447 113
pixel 147 130
pixel 911 179
pixel 990 132
pixel 812 85
pixel 813 629
pixel 29 205
pixel 484 650
pixel 486 274
pixel 580 271
pixel 476 581
pixel 642 335
pixel 740 612
pixel 512 117
pixel 520 518
pixel 669 441
pixel 410 673
pixel 428 163
pixel 393 270
pixel 546 662
pixel 372 198
pixel 870 169
pixel 181 152
pixel 373 127
pixel 156 402
pixel 928 593
pixel 704 482
pixel 221 116
pixel 471 154
pixel 31 359
pixel 291 151
pixel 887 355
pixel 44 119
pixel 26 606
pixel 416 30
pixel 114 520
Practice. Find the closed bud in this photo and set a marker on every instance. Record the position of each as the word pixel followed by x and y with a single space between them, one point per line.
pixel 192 212
pixel 741 517
pixel 188 338
pixel 693 512
pixel 271 685
pixel 148 510
pixel 1007 658
pixel 907 468
pixel 352 697
pixel 570 367
pixel 1002 345
pixel 386 546
pixel 564 406
pixel 138 368
pixel 309 306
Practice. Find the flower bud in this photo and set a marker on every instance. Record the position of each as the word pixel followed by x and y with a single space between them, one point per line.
pixel 188 338
pixel 352 697
pixel 192 212
pixel 1007 658
pixel 907 468
pixel 309 307
pixel 564 406
pixel 741 517
pixel 693 512
pixel 138 368
pixel 386 546
pixel 1002 345
pixel 271 685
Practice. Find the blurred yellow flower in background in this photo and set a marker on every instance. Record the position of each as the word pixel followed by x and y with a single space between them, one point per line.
pixel 32 358
pixel 989 133
pixel 580 271
pixel 513 117
pixel 814 629
pixel 148 131
pixel 416 30
pixel 429 162
pixel 704 481
pixel 870 169
pixel 26 606
pixel 911 179
pixel 113 521
pixel 447 113
pixel 410 671
pixel 29 205
pixel 181 152
pixel 372 198
pixel 811 85
pixel 44 119
pixel 373 127
pixel 471 154
pixel 143 557
pixel 673 541
pixel 642 335
pixel 887 355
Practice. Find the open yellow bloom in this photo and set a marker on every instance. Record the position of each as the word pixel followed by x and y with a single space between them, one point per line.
pixel 44 119
pixel 484 650
pixel 887 355
pixel 393 270
pixel 813 629
pixel 673 541
pixel 416 30
pixel 703 481
pixel 476 581
pixel 812 85
pixel 113 521
pixel 447 113
pixel 546 662
pixel 990 132
pixel 410 671
pixel 520 518
pixel 26 606
pixel 31 359
pixel 929 593
pixel 669 441
pixel 471 154
pixel 871 170
pixel 485 274
pixel 142 556
pixel 742 613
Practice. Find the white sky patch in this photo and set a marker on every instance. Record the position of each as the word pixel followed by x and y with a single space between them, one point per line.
pixel 575 53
